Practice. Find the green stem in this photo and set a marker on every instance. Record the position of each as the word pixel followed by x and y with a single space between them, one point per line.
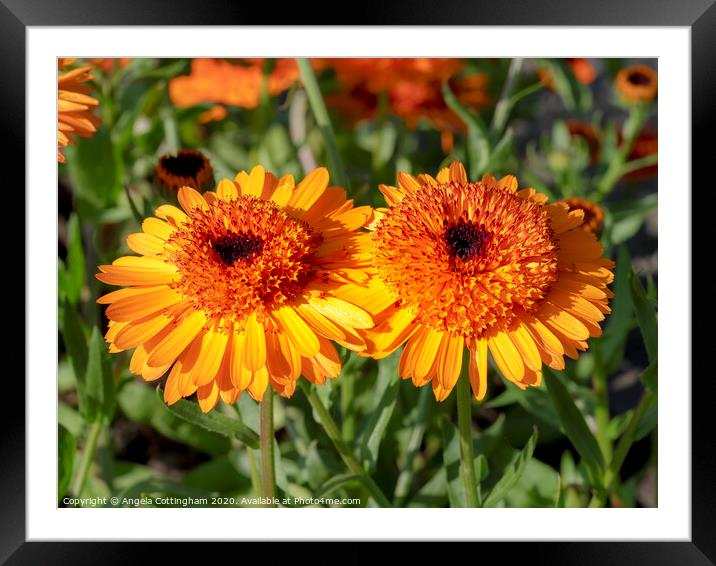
pixel 329 425
pixel 504 105
pixel 348 423
pixel 405 479
pixel 254 471
pixel 525 92
pixel 87 457
pixel 611 475
pixel 318 107
pixel 601 410
pixel 636 164
pixel 638 115
pixel 132 205
pixel 268 477
pixel 467 457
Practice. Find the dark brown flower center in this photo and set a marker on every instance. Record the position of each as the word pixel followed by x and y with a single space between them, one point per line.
pixel 464 240
pixel 184 164
pixel 234 247
pixel 639 79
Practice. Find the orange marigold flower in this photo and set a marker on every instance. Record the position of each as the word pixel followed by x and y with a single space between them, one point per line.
pixel 244 287
pixel 236 82
pixel 188 168
pixel 483 266
pixel 74 105
pixel 637 83
pixel 593 213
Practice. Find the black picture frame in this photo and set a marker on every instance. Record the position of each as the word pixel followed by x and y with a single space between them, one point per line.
pixel 17 15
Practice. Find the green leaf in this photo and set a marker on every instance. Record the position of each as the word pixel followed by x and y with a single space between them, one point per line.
pixel 376 422
pixel 512 473
pixel 574 95
pixel 621 320
pixel 73 274
pixel 66 449
pixel 451 464
pixel 212 421
pixel 95 168
pixel 645 316
pixel 650 376
pixel 339 481
pixel 75 341
pixel 478 145
pixel 140 404
pixel 618 424
pixel 573 423
pixel 99 388
pixel 624 229
pixel 219 475
pixel 70 419
pixel 433 494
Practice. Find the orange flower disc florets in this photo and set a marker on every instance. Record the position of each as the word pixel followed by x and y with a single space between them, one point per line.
pixel 490 253
pixel 241 257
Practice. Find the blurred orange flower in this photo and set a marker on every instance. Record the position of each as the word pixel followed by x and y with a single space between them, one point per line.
pixel 582 69
pixel 637 83
pixel 412 87
pixel 108 64
pixel 74 105
pixel 236 82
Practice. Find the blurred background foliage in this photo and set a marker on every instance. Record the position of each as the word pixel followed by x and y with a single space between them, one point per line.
pixel 559 125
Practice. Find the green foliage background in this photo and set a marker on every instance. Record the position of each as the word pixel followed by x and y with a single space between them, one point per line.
pixel 583 437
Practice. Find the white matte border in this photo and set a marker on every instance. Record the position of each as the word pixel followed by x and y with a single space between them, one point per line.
pixel 670 521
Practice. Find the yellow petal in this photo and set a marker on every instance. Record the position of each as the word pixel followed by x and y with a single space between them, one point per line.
pixel 506 356
pixel 213 346
pixel 137 333
pixel 255 184
pixel 309 190
pixel 393 196
pixel 298 331
pixel 283 191
pixel 258 384
pixel 157 228
pixel 457 172
pixel 240 375
pixel 427 350
pixel 450 360
pixel 341 311
pixel 443 175
pixel 177 340
pixel 142 305
pixel 318 322
pixel 145 244
pixel 191 200
pixel 523 342
pixel 226 190
pixel 562 321
pixel 171 213
pixel 208 396
pixel 478 369
pixel 254 355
